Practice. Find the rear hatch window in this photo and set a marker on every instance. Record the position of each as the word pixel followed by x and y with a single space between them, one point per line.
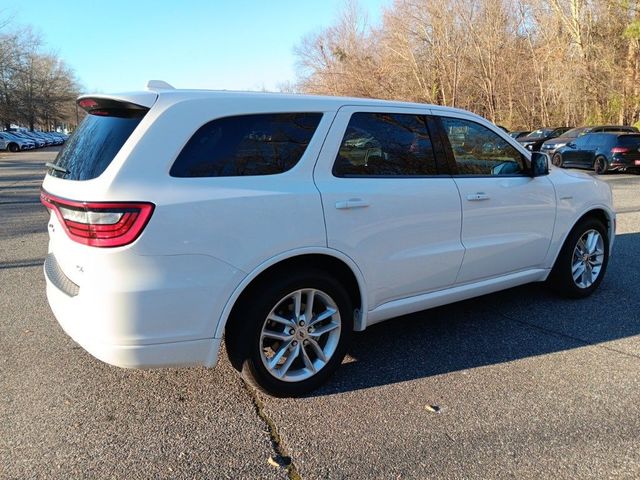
pixel 632 141
pixel 98 139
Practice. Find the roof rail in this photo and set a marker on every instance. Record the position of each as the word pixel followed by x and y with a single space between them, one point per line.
pixel 159 85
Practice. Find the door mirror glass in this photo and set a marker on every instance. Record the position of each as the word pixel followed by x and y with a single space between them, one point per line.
pixel 539 164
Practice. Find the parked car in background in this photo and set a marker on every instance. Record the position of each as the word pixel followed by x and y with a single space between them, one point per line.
pixel 59 137
pixel 550 146
pixel 39 142
pixel 286 222
pixel 48 141
pixel 13 143
pixel 534 140
pixel 519 133
pixel 601 152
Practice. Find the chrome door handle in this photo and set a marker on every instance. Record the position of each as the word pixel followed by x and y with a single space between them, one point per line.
pixel 476 197
pixel 351 203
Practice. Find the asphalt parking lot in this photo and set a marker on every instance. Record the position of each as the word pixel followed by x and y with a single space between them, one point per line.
pixel 519 384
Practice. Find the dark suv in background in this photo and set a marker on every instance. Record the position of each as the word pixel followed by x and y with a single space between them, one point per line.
pixel 601 151
pixel 534 140
pixel 550 146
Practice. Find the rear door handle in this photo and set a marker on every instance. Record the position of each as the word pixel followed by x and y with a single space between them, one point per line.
pixel 351 203
pixel 477 197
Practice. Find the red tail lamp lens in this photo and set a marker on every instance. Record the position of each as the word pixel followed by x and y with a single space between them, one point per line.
pixel 88 103
pixel 100 224
pixel 620 150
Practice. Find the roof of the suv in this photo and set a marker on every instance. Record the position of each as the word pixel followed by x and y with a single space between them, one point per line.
pixel 318 102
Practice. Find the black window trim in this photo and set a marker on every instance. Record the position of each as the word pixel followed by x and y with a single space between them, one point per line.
pixel 451 160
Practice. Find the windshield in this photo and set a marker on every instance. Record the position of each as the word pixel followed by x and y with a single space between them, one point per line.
pixel 574 132
pixel 540 133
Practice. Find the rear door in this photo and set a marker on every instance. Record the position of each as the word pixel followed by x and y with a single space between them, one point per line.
pixel 387 203
pixel 508 216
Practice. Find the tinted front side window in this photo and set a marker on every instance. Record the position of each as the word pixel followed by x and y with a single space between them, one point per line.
pixel 262 144
pixel 480 151
pixel 385 144
pixel 93 145
pixel 585 140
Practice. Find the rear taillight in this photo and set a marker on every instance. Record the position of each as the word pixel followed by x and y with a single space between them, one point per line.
pixel 620 150
pixel 100 224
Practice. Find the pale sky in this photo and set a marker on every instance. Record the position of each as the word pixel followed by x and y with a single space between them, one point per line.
pixel 118 45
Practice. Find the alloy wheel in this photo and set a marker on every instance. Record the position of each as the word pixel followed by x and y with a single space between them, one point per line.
pixel 588 257
pixel 300 335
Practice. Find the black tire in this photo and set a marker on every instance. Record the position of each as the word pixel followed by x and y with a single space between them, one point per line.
pixel 557 160
pixel 600 165
pixel 243 335
pixel 13 147
pixel 561 277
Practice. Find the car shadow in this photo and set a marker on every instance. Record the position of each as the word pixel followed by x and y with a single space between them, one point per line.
pixel 514 324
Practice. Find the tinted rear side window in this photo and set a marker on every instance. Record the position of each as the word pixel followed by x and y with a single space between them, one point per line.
pixel 261 144
pixel 94 144
pixel 386 145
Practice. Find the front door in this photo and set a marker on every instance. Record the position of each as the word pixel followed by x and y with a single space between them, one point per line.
pixel 385 203
pixel 508 216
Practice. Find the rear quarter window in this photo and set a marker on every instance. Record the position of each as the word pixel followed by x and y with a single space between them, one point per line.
pixel 259 144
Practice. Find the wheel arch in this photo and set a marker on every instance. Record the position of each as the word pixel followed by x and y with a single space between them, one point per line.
pixel 325 259
pixel 601 213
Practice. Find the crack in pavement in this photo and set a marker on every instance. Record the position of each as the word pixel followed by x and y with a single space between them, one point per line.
pixel 276 440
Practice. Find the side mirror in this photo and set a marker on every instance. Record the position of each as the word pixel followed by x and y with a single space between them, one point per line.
pixel 571 145
pixel 539 164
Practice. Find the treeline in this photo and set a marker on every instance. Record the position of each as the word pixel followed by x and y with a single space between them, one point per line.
pixel 520 63
pixel 37 89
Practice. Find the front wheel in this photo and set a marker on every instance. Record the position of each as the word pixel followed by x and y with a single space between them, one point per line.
pixel 293 334
pixel 557 160
pixel 583 259
pixel 13 147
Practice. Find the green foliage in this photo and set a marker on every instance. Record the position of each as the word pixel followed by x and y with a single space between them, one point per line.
pixel 632 32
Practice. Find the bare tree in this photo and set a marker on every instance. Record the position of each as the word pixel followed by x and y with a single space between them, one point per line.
pixel 36 88
pixel 524 63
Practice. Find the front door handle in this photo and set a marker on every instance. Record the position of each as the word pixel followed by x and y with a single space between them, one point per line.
pixel 477 197
pixel 351 203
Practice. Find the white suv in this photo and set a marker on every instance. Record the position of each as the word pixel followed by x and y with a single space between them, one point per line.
pixel 285 222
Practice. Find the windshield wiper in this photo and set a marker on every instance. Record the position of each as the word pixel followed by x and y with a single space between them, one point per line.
pixel 55 167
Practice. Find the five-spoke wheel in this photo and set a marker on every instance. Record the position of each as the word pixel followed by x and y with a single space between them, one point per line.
pixel 300 335
pixel 588 257
pixel 583 259
pixel 290 334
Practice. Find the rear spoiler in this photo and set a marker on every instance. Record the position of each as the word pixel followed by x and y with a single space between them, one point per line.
pixel 110 107
pixel 143 99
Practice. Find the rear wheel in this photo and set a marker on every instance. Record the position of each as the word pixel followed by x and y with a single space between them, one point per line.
pixel 582 262
pixel 289 336
pixel 557 160
pixel 600 165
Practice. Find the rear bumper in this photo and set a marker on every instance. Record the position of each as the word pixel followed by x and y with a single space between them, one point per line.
pixel 135 326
